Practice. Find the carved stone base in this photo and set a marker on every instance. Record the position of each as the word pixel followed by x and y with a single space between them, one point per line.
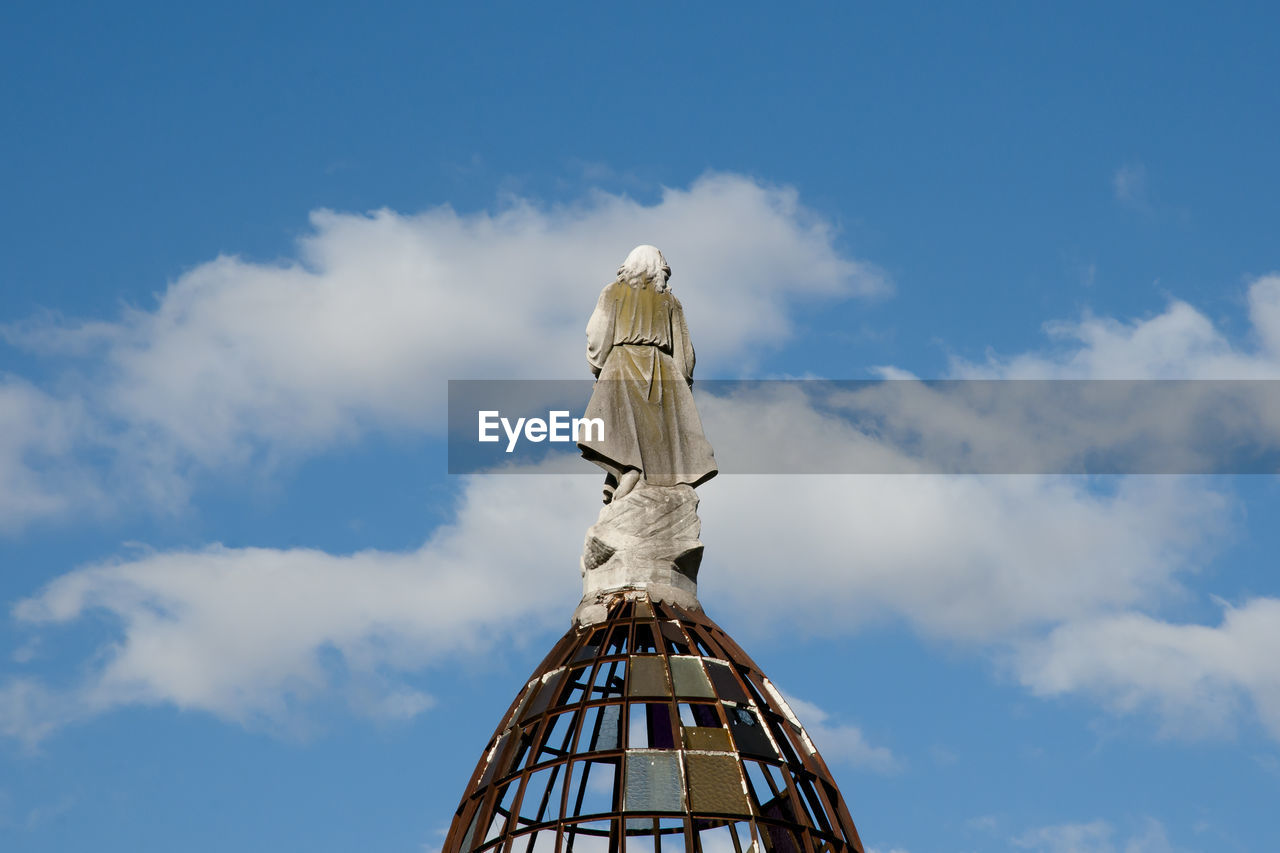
pixel 647 540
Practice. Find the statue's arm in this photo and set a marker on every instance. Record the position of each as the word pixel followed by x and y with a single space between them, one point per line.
pixel 600 331
pixel 681 344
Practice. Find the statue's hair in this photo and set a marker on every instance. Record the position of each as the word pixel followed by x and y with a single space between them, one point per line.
pixel 645 263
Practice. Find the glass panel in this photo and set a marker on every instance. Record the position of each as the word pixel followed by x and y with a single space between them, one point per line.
pixel 699 737
pixel 600 728
pixel 649 726
pixel 715 784
pixel 499 756
pixel 653 782
pixel 689 679
pixel 726 685
pixel 593 787
pixel 779 839
pixel 550 687
pixel 661 734
pixel 648 677
pixel 749 734
pixel 779 808
pixel 644 609
pixel 530 691
pixel 523 747
pixel 677 642
pixel 697 714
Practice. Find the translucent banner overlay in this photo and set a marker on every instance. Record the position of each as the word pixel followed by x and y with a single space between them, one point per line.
pixel 898 426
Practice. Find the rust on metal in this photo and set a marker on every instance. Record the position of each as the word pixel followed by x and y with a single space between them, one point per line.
pixel 650 731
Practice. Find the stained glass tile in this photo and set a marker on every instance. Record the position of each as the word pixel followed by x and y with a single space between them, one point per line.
pixel 699 737
pixel 749 734
pixel 546 693
pixel 653 781
pixel 689 678
pixel 715 784
pixel 648 677
pixel 499 756
pixel 727 686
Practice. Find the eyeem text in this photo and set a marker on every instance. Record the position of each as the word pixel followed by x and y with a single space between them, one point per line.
pixel 557 427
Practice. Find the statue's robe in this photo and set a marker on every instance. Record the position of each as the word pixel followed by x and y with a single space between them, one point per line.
pixel 638 346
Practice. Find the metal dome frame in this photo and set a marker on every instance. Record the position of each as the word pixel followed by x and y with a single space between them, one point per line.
pixel 650 732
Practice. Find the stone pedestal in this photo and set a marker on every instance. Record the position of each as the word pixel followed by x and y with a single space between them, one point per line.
pixel 646 540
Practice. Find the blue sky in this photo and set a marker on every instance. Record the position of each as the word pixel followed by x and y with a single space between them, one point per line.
pixel 246 245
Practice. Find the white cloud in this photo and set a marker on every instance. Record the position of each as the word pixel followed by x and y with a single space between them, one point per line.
pixel 1179 343
pixel 37 430
pixel 1094 837
pixel 1129 184
pixel 242 360
pixel 841 742
pixel 360 332
pixel 976 559
pixel 1196 677
pixel 252 634
pixel 988 561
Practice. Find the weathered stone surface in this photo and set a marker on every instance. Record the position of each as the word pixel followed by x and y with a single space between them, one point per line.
pixel 639 349
pixel 646 540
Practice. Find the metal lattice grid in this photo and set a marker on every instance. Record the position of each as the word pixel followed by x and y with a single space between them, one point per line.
pixel 651 732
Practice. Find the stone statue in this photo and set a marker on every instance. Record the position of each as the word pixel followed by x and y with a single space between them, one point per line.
pixel 639 350
pixel 652 449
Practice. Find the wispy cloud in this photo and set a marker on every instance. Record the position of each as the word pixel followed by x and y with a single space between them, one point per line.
pixel 842 742
pixel 1097 836
pixel 242 361
pixel 1198 678
pixel 253 635
pixel 1129 185
pixel 1050 570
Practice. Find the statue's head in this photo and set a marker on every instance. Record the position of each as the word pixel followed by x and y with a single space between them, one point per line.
pixel 645 263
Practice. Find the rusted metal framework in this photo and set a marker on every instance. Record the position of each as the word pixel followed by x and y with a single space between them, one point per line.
pixel 651 731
